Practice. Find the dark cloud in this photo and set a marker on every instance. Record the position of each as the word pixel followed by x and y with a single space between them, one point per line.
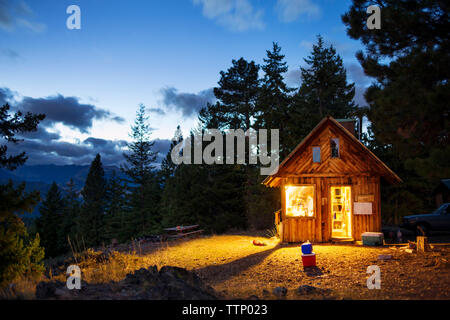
pixel 158 111
pixel 356 74
pixel 66 110
pixel 51 151
pixel 6 95
pixel 16 13
pixel 5 14
pixel 188 103
pixel 9 53
pixel 106 146
pixel 45 147
pixel 162 145
pixel 41 134
pixel 359 96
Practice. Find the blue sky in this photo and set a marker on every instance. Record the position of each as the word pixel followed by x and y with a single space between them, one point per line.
pixel 165 54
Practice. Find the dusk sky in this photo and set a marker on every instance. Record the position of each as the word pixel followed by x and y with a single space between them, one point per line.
pixel 164 54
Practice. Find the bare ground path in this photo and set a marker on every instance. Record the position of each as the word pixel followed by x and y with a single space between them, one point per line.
pixel 235 267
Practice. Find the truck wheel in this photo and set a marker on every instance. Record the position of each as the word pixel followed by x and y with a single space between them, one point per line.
pixel 421 230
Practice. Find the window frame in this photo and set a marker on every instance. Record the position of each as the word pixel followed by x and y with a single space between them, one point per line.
pixel 338 148
pixel 285 213
pixel 320 154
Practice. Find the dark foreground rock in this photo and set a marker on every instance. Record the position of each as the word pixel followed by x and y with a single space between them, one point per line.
pixel 306 289
pixel 169 283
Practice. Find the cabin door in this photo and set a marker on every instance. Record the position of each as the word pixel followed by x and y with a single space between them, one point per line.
pixel 341 212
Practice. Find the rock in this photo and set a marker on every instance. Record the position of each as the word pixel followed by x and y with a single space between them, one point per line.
pixel 280 292
pixel 253 297
pixel 306 289
pixel 384 257
pixel 47 290
pixel 170 283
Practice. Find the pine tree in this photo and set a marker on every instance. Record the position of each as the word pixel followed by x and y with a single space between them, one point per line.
pixel 143 184
pixel 115 209
pixel 93 208
pixel 70 221
pixel 237 94
pixel 10 125
pixel 408 101
pixel 167 165
pixel 20 254
pixel 324 91
pixel 50 221
pixel 274 98
pixel 409 58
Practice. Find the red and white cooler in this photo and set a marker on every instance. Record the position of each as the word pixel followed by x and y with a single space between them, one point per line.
pixel 309 260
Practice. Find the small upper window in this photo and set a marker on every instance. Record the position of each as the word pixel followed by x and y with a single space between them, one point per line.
pixel 316 154
pixel 334 147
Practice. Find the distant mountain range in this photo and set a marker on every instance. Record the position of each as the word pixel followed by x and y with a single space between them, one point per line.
pixel 40 177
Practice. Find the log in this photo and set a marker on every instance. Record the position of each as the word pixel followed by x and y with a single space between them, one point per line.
pixel 422 244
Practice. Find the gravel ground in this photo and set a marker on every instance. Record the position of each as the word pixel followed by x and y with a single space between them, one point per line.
pixel 233 266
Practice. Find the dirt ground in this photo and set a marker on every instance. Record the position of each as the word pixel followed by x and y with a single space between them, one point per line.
pixel 237 269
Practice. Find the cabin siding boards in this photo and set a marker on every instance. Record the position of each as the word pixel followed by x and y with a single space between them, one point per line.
pixel 356 167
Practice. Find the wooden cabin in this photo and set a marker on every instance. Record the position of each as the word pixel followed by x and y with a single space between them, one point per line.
pixel 330 187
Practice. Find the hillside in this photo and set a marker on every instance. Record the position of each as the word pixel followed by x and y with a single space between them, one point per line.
pixel 40 177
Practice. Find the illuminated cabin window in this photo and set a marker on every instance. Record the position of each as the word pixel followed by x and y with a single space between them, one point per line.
pixel 316 154
pixel 300 201
pixel 334 147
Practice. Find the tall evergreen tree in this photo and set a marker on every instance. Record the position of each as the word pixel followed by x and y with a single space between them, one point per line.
pixel 115 225
pixel 409 58
pixel 70 221
pixel 237 94
pixel 93 209
pixel 324 91
pixel 10 125
pixel 408 101
pixel 20 254
pixel 167 165
pixel 50 221
pixel 143 184
pixel 274 98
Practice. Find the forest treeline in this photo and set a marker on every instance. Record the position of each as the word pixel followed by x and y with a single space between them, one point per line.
pixel 407 114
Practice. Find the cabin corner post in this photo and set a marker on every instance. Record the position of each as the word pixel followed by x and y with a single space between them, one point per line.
pixel 283 211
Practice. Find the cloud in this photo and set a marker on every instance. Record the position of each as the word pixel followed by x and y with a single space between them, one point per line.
pixel 236 15
pixel 291 10
pixel 9 53
pixel 6 96
pixel 82 153
pixel 356 74
pixel 162 146
pixel 41 134
pixel 66 110
pixel 16 13
pixel 158 111
pixel 307 45
pixel 188 103
pixel 46 147
pixel 294 77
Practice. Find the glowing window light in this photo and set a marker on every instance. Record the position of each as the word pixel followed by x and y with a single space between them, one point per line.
pixel 299 201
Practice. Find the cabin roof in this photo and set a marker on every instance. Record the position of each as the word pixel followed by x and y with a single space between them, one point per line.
pixel 275 179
